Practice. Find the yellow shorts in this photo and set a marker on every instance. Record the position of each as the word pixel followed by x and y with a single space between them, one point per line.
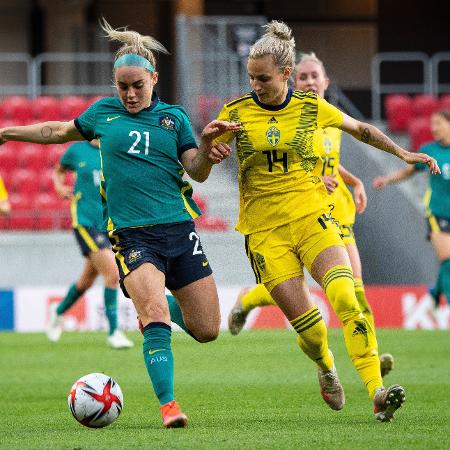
pixel 347 234
pixel 279 254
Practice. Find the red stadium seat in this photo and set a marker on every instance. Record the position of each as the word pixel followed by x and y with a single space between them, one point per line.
pixel 32 157
pixel 22 212
pixel 201 202
pixel 54 153
pixel 444 102
pixel 208 107
pixel 8 158
pixel 398 110
pixel 211 223
pixel 72 106
pixel 94 99
pixel 17 109
pixel 24 181
pixel 425 105
pixel 419 132
pixel 46 108
pixel 48 210
pixel 46 182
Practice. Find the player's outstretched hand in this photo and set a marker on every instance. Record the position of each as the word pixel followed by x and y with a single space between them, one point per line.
pixel 219 152
pixel 360 196
pixel 380 183
pixel 414 158
pixel 216 128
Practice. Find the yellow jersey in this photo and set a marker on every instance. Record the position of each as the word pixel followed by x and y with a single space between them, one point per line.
pixel 279 166
pixel 3 191
pixel 327 142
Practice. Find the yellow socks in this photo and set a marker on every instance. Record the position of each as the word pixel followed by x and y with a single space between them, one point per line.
pixel 258 296
pixel 359 333
pixel 312 337
pixel 363 303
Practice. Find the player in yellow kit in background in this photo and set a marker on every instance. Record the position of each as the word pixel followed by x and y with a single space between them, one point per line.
pixel 285 218
pixel 5 206
pixel 310 76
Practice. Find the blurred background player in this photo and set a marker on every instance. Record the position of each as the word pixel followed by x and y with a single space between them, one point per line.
pixel 437 198
pixel 285 218
pixel 310 76
pixel 83 158
pixel 5 206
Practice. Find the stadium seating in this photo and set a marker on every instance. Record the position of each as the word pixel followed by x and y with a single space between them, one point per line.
pixel 17 109
pixel 72 106
pixel 419 132
pixel 445 102
pixel 424 105
pixel 46 108
pixel 398 112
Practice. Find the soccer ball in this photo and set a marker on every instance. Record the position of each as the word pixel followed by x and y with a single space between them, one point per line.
pixel 95 400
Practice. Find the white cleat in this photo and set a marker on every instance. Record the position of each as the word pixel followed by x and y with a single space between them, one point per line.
pixel 119 340
pixel 54 328
pixel 331 388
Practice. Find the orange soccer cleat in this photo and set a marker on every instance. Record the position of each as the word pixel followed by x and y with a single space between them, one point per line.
pixel 172 416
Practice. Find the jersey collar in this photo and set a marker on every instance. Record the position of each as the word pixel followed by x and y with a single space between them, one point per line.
pixel 273 107
pixel 155 101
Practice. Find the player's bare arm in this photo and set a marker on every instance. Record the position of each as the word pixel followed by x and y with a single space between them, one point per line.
pixel 42 133
pixel 371 135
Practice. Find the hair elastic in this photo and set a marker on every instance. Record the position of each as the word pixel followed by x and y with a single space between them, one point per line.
pixel 132 59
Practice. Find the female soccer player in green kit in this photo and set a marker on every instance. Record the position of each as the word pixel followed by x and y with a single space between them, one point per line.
pixel 437 198
pixel 310 76
pixel 285 218
pixel 83 158
pixel 146 146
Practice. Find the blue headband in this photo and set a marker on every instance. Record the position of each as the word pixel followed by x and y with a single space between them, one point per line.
pixel 131 59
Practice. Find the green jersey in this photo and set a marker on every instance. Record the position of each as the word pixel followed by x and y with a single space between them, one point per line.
pixel 438 198
pixel 84 159
pixel 142 175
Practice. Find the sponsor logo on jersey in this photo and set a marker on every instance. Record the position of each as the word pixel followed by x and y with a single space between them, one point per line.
pixel 81 164
pixel 108 119
pixel 327 143
pixel 272 120
pixel 134 255
pixel 167 123
pixel 273 136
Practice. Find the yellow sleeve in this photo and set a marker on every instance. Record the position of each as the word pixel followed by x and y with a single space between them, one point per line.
pixel 226 137
pixel 3 191
pixel 328 115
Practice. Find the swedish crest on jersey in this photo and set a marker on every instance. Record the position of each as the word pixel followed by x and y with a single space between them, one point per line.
pixel 273 136
pixel 167 122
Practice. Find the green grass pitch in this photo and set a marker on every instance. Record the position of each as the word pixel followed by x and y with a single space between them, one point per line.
pixel 252 391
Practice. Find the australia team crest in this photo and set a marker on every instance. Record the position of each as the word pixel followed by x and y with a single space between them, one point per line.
pixel 273 136
pixel 167 122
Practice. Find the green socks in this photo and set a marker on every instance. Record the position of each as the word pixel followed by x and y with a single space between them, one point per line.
pixel 158 359
pixel 71 297
pixel 110 296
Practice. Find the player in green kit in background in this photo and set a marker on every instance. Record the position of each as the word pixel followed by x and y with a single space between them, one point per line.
pixel 83 159
pixel 437 199
pixel 146 146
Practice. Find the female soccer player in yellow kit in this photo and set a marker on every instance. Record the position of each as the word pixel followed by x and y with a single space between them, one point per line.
pixel 285 218
pixel 310 76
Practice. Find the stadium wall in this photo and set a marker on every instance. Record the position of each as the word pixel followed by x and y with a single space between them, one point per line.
pixel 25 309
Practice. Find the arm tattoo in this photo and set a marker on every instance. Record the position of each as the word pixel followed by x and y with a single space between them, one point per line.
pixel 365 137
pixel 46 132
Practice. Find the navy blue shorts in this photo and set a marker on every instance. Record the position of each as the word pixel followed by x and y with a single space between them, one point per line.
pixel 174 249
pixel 437 224
pixel 90 239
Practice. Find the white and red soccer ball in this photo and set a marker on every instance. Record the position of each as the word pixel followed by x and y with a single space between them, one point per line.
pixel 95 400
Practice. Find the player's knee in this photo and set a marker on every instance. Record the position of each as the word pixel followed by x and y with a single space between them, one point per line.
pixel 112 280
pixel 204 336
